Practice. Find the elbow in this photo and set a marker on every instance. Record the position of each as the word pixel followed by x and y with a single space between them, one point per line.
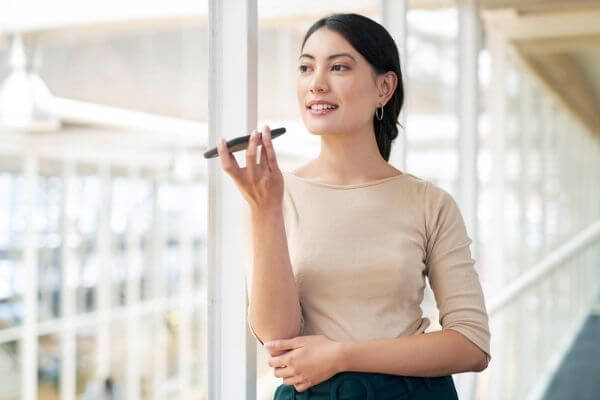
pixel 266 330
pixel 481 363
pixel 473 358
pixel 277 335
pixel 268 333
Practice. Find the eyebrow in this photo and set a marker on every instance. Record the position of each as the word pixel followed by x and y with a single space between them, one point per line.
pixel 330 57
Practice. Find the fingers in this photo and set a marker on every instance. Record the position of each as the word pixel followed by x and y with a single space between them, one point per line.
pixel 263 152
pixel 251 155
pixel 275 362
pixel 283 372
pixel 274 353
pixel 228 161
pixel 263 158
pixel 267 144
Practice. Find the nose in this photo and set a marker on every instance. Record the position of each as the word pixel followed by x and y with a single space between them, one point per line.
pixel 317 89
pixel 318 84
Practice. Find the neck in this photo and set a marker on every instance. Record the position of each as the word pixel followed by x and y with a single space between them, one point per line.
pixel 350 157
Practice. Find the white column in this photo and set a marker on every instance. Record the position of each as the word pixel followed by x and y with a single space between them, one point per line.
pixel 133 251
pixel 545 174
pixel 232 107
pixel 468 112
pixel 551 310
pixel 550 173
pixel 185 292
pixel 497 103
pixel 29 353
pixel 104 268
pixel 468 115
pixel 69 272
pixel 520 314
pixel 158 290
pixel 526 121
pixel 394 20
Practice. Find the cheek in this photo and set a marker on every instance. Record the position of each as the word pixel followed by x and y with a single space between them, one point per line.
pixel 363 92
pixel 358 98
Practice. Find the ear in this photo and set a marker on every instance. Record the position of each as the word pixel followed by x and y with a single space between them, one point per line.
pixel 387 84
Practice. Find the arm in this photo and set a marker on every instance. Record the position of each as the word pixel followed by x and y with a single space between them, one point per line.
pixel 431 354
pixel 274 308
pixel 463 343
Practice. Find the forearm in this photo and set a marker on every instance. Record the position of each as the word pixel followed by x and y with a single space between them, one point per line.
pixel 431 354
pixel 274 309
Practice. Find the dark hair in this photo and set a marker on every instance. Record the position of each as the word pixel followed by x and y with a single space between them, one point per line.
pixel 377 46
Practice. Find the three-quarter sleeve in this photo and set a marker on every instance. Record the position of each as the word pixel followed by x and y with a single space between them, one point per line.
pixel 450 269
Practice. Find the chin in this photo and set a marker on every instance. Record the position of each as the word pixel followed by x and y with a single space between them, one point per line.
pixel 318 130
pixel 321 129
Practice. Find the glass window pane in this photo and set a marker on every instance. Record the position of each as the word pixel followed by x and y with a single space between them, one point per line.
pixel 48 225
pixel 114 383
pixel 114 84
pixel 49 367
pixel 431 79
pixel 11 245
pixel 86 207
pixel 86 364
pixel 10 370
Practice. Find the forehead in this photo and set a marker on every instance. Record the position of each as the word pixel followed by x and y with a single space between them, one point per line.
pixel 325 42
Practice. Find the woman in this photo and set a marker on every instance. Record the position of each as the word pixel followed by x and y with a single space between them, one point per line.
pixel 342 249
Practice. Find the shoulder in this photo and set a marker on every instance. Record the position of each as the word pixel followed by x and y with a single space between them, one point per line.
pixel 432 199
pixel 414 181
pixel 437 195
pixel 413 188
pixel 441 208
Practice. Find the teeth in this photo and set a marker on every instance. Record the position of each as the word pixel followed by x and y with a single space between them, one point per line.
pixel 318 107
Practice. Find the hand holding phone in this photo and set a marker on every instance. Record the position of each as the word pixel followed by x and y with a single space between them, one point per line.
pixel 261 183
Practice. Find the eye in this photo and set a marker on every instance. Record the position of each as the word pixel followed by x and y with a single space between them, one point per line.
pixel 302 68
pixel 339 65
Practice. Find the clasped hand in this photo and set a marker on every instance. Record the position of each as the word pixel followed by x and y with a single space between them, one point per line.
pixel 304 361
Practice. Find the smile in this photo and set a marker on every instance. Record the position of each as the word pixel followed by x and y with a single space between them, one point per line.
pixel 321 110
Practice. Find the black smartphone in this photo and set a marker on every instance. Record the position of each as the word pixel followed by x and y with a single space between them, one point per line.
pixel 241 143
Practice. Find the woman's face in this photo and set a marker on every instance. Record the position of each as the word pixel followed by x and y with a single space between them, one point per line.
pixel 347 81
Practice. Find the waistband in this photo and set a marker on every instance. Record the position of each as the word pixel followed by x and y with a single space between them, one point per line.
pixel 372 386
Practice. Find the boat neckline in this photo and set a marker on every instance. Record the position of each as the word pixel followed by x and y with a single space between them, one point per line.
pixel 349 186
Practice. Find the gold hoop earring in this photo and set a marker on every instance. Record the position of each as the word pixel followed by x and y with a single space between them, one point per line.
pixel 377 114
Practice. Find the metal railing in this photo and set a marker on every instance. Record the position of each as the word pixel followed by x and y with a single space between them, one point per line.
pixel 536 318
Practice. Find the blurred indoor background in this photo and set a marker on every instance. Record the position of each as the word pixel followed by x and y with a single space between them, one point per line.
pixel 114 263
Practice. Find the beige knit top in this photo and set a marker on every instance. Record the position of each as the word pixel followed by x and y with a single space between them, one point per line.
pixel 360 254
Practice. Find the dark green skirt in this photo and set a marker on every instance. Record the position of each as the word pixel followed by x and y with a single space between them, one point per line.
pixel 373 386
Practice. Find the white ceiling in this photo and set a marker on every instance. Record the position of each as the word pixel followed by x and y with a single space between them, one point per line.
pixel 560 41
pixel 545 30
